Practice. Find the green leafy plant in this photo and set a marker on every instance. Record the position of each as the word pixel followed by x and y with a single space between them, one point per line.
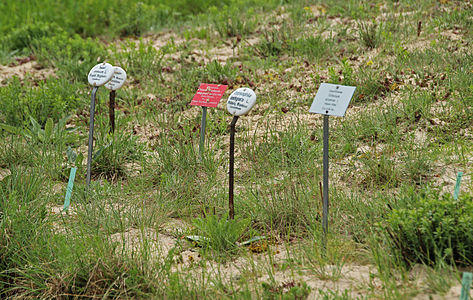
pixel 72 55
pixel 231 22
pixel 52 133
pixel 140 59
pixel 21 39
pixel 140 18
pixel 312 47
pixel 432 228
pixel 273 43
pixel 52 98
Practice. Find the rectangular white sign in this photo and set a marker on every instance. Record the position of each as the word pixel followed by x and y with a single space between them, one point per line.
pixel 332 99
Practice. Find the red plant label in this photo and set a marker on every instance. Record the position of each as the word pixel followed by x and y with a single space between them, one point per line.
pixel 209 94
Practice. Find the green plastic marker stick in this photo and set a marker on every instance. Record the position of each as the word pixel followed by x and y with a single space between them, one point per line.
pixel 466 285
pixel 456 191
pixel 70 185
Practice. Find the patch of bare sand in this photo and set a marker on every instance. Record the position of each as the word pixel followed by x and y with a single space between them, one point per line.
pixel 22 71
pixel 352 280
pixel 453 294
pixel 139 241
pixel 419 44
pixel 266 267
pixel 174 227
pixel 356 280
pixel 447 177
pixel 160 40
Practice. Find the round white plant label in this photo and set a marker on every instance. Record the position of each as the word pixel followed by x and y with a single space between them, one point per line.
pixel 241 101
pixel 100 74
pixel 118 79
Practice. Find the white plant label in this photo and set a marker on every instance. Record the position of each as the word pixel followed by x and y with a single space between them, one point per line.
pixel 241 101
pixel 100 74
pixel 118 79
pixel 332 99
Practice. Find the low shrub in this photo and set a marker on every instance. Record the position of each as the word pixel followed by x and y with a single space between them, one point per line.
pixel 23 37
pixel 73 56
pixel 53 98
pixel 432 228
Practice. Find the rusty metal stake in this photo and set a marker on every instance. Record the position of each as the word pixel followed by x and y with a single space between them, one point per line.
pixel 111 112
pixel 232 163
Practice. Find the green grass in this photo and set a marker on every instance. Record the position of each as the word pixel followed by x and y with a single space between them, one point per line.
pixel 406 132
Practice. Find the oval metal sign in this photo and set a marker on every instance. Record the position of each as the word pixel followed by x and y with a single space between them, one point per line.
pixel 241 101
pixel 100 74
pixel 118 79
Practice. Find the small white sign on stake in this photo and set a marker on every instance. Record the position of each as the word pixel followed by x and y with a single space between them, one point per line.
pixel 100 74
pixel 118 79
pixel 332 99
pixel 241 101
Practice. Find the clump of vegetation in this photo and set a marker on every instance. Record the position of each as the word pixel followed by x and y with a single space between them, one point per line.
pixel 52 98
pixel 21 39
pixel 432 228
pixel 221 234
pixel 115 154
pixel 286 290
pixel 369 34
pixel 71 55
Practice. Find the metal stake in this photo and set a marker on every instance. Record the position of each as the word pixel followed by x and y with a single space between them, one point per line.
pixel 203 123
pixel 111 112
pixel 91 133
pixel 232 163
pixel 325 180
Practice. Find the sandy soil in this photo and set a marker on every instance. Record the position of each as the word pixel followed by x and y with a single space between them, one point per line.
pixel 24 69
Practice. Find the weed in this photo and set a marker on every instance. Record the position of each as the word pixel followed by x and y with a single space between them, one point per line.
pixel 273 43
pixel 115 155
pixel 233 23
pixel 22 39
pixel 312 48
pixel 286 290
pixel 369 34
pixel 220 235
pixel 141 60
